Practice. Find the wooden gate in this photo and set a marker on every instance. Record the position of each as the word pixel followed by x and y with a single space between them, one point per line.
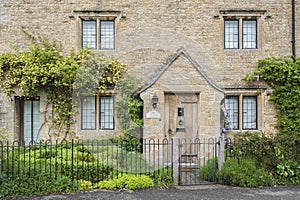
pixel 198 161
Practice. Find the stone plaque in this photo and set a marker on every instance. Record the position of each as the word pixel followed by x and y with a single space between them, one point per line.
pixel 153 114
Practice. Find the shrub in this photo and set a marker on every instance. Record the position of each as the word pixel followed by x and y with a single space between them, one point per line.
pixel 243 173
pixel 86 184
pixel 127 181
pixel 39 184
pixel 58 161
pixel 51 169
pixel 163 178
pixel 84 170
pixel 257 146
pixel 208 172
pixel 89 161
pixel 109 185
pixel 288 173
pixel 138 182
pixel 277 154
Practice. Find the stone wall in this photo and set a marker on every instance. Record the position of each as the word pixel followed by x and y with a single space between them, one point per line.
pixel 158 25
pixel 149 32
pixel 149 24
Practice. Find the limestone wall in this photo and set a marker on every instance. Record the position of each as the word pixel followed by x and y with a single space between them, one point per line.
pixel 158 25
pixel 148 32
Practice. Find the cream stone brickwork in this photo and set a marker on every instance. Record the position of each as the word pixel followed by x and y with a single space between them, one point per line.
pixel 172 46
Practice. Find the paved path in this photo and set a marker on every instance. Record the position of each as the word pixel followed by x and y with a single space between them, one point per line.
pixel 208 192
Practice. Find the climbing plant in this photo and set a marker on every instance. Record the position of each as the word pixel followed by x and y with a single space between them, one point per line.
pixel 45 68
pixel 129 108
pixel 283 76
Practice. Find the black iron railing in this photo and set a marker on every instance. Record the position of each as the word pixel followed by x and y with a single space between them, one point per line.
pixel 95 160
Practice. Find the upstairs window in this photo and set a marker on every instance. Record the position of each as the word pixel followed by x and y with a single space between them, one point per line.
pixel 107 34
pixel 97 28
pixel 236 30
pixel 231 34
pixel 249 34
pixel 98 34
pixel 242 28
pixel 89 34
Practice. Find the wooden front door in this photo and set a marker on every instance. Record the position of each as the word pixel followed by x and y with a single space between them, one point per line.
pixel 181 115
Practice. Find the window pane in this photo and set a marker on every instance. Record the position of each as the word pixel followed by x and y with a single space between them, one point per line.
pixel 31 118
pixel 89 34
pixel 36 120
pixel 107 32
pixel 232 107
pixel 27 122
pixel 231 34
pixel 88 113
pixel 106 113
pixel 249 34
pixel 249 112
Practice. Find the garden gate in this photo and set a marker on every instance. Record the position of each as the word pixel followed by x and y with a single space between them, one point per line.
pixel 197 160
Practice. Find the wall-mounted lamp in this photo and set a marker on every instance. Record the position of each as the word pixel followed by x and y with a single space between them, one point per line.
pixel 154 101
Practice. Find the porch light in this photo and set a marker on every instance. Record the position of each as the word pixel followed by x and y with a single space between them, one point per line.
pixel 154 101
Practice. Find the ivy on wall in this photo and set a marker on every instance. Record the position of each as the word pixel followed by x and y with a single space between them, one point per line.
pixel 129 109
pixel 45 68
pixel 283 76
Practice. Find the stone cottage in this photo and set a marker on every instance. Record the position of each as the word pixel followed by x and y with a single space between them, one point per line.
pixel 190 57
